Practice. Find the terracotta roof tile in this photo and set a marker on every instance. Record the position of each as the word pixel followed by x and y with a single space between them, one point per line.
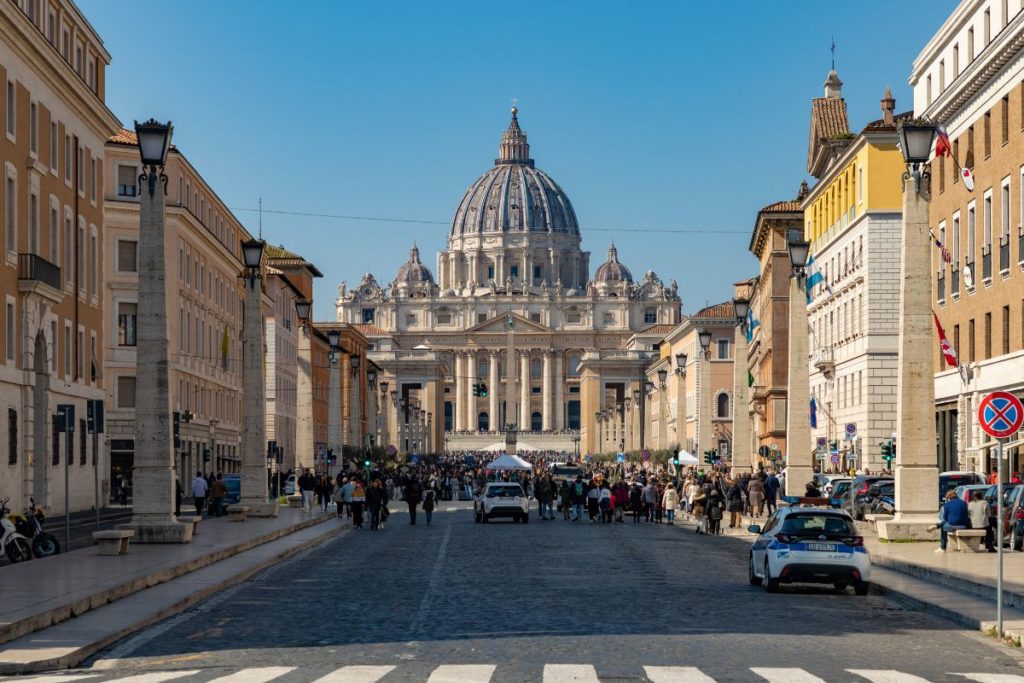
pixel 657 329
pixel 722 310
pixel 371 330
pixel 128 137
pixel 879 125
pixel 279 252
pixel 828 115
pixel 787 206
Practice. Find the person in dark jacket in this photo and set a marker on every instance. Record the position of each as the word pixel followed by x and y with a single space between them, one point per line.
pixel 636 501
pixel 734 501
pixel 565 495
pixel 952 517
pixel 715 511
pixel 413 494
pixel 771 490
pixel 375 496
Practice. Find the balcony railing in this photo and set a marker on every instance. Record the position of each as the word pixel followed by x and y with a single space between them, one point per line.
pixel 1004 254
pixel 954 282
pixel 986 262
pixel 942 287
pixel 38 269
pixel 1020 245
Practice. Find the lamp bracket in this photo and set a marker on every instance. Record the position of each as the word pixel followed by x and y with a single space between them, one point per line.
pixel 152 176
pixel 922 177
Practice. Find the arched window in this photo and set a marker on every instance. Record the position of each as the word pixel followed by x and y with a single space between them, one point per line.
pixel 535 422
pixel 483 422
pixel 535 368
pixel 722 405
pixel 573 367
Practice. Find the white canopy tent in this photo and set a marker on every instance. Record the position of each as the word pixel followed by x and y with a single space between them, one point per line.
pixel 686 458
pixel 509 462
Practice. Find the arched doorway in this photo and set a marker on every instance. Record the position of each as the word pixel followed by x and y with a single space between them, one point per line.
pixel 483 422
pixel 573 410
pixel 40 420
pixel 535 422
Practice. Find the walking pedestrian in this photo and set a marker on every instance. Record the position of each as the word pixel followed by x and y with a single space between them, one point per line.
pixel 650 500
pixel 374 502
pixel 699 510
pixel 755 495
pixel 771 490
pixel 429 497
pixel 669 501
pixel 199 489
pixel 636 501
pixel 307 487
pixel 218 492
pixel 357 498
pixel 579 498
pixel 715 512
pixel 734 502
pixel 413 492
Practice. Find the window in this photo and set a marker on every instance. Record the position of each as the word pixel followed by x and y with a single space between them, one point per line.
pixel 369 313
pixel 80 355
pixel 490 271
pixel 127 256
pixel 928 90
pixel 33 128
pixel 723 349
pixel 956 61
pixel 33 223
pixel 11 335
pixel 11 215
pixel 410 319
pixel 573 367
pixel 1004 120
pixel 55 235
pixel 444 318
pixel 67 349
pixel 127 318
pixel 536 273
pixel 92 179
pixel 67 158
pixel 68 251
pixel 481 317
pixel 535 317
pixel 80 169
pixel 53 146
pixel 987 26
pixel 970 340
pixel 987 133
pixel 12 436
pixel 970 44
pixel 80 275
pixel 988 336
pixel 125 392
pixel 127 177
pixel 514 271
pixel 650 316
pixel 722 405
pixel 956 239
pixel 1006 329
pixel 573 318
pixel 956 339
pixel 11 104
pixel 942 75
pixel 970 234
pixel 609 318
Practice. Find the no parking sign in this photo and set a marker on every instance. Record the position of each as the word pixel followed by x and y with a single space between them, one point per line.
pixel 1000 414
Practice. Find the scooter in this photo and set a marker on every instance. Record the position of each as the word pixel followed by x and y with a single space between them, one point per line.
pixel 30 525
pixel 14 545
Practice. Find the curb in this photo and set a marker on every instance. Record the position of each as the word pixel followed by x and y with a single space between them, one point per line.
pixel 76 656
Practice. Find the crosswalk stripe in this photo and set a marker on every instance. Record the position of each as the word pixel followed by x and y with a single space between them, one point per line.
pixel 887 676
pixel 786 675
pixel 570 673
pixel 462 673
pixel 993 678
pixel 56 678
pixel 676 674
pixel 254 675
pixel 356 674
pixel 158 677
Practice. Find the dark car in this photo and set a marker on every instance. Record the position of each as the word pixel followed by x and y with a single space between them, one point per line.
pixel 233 482
pixel 859 487
pixel 871 502
pixel 950 480
pixel 839 489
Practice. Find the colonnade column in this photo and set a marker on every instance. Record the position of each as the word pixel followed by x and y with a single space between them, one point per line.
pixel 546 393
pixel 471 370
pixel 460 392
pixel 494 423
pixel 559 398
pixel 524 392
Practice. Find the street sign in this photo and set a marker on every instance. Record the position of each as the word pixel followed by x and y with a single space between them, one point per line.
pixel 764 451
pixel 822 455
pixel 1000 414
pixel 834 459
pixel 850 430
pixel 621 457
pixel 821 442
pixel 587 458
pixel 647 454
pixel 391 450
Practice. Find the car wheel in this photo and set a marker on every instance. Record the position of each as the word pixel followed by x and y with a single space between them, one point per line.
pixel 770 585
pixel 840 586
pixel 755 580
pixel 861 587
pixel 484 518
pixel 476 517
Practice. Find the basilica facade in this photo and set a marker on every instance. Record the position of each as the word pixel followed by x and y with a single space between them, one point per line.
pixel 513 329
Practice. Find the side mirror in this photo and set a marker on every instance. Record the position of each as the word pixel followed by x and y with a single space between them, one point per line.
pixel 754 529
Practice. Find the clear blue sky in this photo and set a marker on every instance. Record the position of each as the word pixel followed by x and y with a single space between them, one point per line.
pixel 672 115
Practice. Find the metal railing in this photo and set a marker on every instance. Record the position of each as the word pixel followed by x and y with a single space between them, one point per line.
pixel 954 282
pixel 38 269
pixel 1004 254
pixel 942 287
pixel 986 262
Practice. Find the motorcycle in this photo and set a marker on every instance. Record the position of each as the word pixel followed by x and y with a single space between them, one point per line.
pixel 30 525
pixel 14 545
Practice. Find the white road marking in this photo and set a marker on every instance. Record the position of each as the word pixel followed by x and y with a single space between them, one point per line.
pixel 158 677
pixel 787 676
pixel 356 674
pixel 254 675
pixel 887 676
pixel 570 673
pixel 462 673
pixel 676 674
pixel 55 678
pixel 993 678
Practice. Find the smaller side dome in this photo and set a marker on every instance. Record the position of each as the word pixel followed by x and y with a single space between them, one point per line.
pixel 611 270
pixel 413 271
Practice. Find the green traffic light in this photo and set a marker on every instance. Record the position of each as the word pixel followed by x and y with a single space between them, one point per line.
pixel 366 463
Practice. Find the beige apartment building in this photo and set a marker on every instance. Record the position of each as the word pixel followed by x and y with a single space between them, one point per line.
pixel 970 79
pixel 55 122
pixel 204 312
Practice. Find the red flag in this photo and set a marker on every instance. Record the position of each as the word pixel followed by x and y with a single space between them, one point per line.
pixel 942 145
pixel 947 349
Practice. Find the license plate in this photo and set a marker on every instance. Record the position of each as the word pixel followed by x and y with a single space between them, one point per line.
pixel 823 547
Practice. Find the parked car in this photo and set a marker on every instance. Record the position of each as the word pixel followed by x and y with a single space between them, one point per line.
pixel 501 499
pixel 290 484
pixel 860 486
pixel 950 480
pixel 809 545
pixel 965 492
pixel 1013 498
pixel 877 499
pixel 233 482
pixel 840 486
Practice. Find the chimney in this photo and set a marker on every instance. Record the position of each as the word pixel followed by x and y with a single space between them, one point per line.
pixel 888 107
pixel 833 86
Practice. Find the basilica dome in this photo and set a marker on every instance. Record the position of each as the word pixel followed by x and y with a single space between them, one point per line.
pixel 514 196
pixel 611 270
pixel 413 271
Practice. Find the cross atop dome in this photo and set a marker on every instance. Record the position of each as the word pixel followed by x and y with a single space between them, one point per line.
pixel 514 149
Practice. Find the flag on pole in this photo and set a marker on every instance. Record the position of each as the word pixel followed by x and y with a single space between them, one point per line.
pixel 942 145
pixel 946 256
pixel 750 379
pixel 948 352
pixel 814 277
pixel 814 414
pixel 751 324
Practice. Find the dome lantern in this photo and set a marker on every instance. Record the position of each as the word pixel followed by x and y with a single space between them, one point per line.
pixel 413 271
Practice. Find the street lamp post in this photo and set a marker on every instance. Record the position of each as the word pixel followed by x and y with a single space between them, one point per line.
pixel 681 431
pixel 742 448
pixel 662 409
pixel 704 431
pixel 334 396
pixel 799 452
pixel 153 518
pixel 627 422
pixel 254 492
pixel 639 403
pixel 599 441
pixel 916 471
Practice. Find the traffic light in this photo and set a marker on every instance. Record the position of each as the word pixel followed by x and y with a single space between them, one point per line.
pixel 177 429
pixel 366 463
pixel 206 454
pixel 888 452
pixel 709 457
pixel 483 390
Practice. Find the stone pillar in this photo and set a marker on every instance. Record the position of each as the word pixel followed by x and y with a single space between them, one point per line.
pixel 705 432
pixel 743 457
pixel 559 399
pixel 471 411
pixel 460 391
pixel 662 416
pixel 799 449
pixel 524 398
pixel 346 400
pixel 917 477
pixel 153 475
pixel 681 431
pixel 546 422
pixel 492 393
pixel 334 408
pixel 254 425
pixel 355 401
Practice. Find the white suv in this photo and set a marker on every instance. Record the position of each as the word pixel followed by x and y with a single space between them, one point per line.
pixel 501 499
pixel 809 545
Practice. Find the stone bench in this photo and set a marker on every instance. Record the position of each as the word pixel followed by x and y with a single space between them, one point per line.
pixel 876 518
pixel 237 513
pixel 968 540
pixel 113 541
pixel 193 520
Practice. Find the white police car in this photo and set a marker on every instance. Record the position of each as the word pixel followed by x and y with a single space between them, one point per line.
pixel 801 544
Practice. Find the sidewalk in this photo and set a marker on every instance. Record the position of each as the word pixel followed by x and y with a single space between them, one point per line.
pixel 43 592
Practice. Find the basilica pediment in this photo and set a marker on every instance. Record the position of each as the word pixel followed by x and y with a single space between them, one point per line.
pixel 499 323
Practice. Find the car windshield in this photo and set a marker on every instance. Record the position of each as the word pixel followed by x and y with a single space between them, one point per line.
pixel 840 488
pixel 504 491
pixel 566 471
pixel 951 481
pixel 816 523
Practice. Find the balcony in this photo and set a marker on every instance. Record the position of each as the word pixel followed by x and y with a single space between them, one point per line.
pixel 954 282
pixel 941 286
pixel 36 274
pixel 1004 255
pixel 825 362
pixel 986 262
